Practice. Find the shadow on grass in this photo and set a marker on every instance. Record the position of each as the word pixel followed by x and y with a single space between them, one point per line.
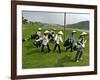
pixel 61 61
pixel 28 47
pixel 36 51
pixel 33 51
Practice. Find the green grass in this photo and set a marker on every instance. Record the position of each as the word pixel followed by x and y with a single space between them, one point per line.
pixel 33 58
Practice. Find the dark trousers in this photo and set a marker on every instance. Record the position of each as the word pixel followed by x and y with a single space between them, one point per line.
pixel 70 46
pixel 42 50
pixel 57 45
pixel 78 55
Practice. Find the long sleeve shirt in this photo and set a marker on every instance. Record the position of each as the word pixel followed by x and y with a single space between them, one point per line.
pixel 58 38
pixel 45 40
pixel 81 42
pixel 71 38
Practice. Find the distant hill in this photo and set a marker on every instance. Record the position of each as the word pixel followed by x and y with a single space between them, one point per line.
pixel 84 25
pixel 80 25
pixel 40 24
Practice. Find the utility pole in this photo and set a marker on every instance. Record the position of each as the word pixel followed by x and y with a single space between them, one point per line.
pixel 64 25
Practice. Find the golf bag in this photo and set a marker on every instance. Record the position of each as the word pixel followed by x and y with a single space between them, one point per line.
pixel 51 37
pixel 75 47
pixel 37 43
pixel 66 43
pixel 34 36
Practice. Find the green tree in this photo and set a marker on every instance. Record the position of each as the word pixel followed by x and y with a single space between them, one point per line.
pixel 24 21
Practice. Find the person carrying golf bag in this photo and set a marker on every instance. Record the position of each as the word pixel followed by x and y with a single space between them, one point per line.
pixel 38 42
pixel 51 36
pixel 79 46
pixel 69 42
pixel 36 35
pixel 58 38
pixel 45 41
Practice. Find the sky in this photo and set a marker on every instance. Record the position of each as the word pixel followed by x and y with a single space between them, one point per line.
pixel 55 17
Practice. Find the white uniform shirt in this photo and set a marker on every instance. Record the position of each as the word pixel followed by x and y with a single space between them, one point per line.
pixel 58 38
pixel 45 39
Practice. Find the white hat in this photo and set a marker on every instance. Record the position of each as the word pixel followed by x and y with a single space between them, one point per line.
pixel 60 32
pixel 73 31
pixel 83 33
pixel 39 29
pixel 46 32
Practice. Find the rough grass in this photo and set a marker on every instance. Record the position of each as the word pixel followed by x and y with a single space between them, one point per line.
pixel 33 58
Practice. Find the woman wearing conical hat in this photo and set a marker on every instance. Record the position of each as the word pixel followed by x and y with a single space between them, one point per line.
pixel 69 42
pixel 39 32
pixel 57 40
pixel 80 45
pixel 45 41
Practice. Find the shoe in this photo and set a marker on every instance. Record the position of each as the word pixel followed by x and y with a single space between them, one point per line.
pixel 77 61
pixel 81 58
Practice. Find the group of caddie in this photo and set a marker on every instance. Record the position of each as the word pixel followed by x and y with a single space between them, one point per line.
pixel 43 40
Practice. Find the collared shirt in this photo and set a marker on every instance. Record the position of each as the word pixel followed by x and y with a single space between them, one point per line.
pixel 58 38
